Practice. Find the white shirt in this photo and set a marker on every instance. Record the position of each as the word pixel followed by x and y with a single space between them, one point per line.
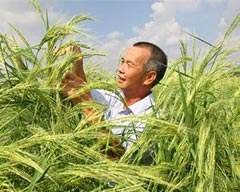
pixel 115 111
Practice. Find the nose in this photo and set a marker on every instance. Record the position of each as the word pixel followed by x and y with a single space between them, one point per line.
pixel 122 67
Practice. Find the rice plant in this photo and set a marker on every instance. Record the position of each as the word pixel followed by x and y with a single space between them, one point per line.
pixel 48 145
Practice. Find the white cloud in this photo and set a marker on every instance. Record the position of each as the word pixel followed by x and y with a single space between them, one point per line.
pixel 214 2
pixel 163 28
pixel 112 48
pixel 115 35
pixel 222 23
pixel 165 9
pixel 233 8
pixel 165 31
pixel 23 16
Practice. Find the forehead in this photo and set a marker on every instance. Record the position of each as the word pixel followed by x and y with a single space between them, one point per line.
pixel 137 54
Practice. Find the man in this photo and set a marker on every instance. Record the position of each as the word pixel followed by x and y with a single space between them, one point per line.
pixel 141 68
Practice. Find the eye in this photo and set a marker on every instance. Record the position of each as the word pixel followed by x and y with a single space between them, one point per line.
pixel 130 64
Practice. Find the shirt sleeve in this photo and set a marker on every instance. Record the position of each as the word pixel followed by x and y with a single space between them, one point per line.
pixel 101 96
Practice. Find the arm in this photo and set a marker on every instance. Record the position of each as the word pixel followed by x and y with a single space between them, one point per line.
pixel 78 65
pixel 72 81
pixel 70 84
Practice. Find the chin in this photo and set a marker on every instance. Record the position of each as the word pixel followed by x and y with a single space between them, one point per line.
pixel 120 85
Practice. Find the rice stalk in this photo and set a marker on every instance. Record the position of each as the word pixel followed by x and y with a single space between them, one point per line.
pixel 191 141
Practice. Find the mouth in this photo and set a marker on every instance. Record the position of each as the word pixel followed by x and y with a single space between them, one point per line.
pixel 121 79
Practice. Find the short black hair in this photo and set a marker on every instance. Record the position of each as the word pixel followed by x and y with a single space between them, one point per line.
pixel 157 60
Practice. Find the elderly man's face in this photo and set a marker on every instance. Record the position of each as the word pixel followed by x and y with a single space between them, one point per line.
pixel 131 69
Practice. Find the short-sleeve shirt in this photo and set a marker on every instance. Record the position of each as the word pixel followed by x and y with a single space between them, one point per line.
pixel 115 110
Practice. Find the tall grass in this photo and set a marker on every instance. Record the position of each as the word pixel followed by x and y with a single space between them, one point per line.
pixel 48 145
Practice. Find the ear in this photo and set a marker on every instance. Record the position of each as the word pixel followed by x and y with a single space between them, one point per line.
pixel 150 77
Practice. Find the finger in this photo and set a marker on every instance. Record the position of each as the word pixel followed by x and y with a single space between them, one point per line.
pixel 70 75
pixel 60 51
pixel 55 50
pixel 69 83
pixel 67 79
pixel 76 49
pixel 63 81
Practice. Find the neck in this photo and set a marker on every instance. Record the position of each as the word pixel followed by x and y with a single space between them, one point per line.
pixel 133 97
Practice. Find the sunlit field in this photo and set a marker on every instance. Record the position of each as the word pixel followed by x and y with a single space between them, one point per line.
pixel 191 141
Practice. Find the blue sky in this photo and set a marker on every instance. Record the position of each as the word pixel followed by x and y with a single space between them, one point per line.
pixel 122 15
pixel 119 23
pixel 111 15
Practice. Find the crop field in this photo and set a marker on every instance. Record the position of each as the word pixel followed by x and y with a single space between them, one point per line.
pixel 46 144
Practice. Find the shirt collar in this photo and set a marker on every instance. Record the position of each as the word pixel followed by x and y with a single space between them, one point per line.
pixel 143 105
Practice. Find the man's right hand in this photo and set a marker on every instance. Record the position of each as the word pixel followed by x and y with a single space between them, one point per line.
pixel 70 84
pixel 75 49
